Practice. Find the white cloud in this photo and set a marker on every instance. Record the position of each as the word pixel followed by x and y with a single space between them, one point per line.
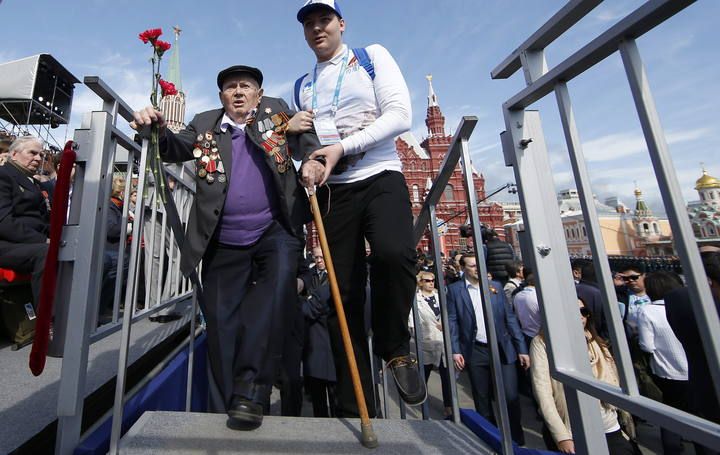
pixel 279 89
pixel 622 145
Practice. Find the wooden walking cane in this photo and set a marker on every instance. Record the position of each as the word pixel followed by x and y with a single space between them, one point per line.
pixel 368 438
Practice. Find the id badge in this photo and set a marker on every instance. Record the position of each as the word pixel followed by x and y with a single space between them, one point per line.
pixel 326 131
pixel 30 311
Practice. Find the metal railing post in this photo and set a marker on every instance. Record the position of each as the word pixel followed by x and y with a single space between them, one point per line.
pixel 556 291
pixel 442 294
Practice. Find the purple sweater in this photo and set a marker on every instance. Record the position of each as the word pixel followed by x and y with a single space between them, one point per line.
pixel 251 202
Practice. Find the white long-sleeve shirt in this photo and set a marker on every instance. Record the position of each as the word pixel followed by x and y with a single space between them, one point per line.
pixel 369 116
pixel 476 299
pixel 527 309
pixel 656 337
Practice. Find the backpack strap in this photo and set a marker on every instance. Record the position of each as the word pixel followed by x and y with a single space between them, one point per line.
pixel 364 60
pixel 298 86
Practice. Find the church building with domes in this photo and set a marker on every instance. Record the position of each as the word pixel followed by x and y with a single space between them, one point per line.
pixel 705 213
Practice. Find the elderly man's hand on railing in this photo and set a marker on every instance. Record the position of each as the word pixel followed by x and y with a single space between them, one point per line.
pixel 146 117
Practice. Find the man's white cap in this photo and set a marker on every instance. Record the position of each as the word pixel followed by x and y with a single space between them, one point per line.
pixel 313 5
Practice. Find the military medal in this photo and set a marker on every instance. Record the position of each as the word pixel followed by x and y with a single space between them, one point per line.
pixel 221 178
pixel 202 173
pixel 210 178
pixel 205 159
pixel 221 168
pixel 197 153
pixel 199 137
pixel 211 166
pixel 268 110
pixel 208 135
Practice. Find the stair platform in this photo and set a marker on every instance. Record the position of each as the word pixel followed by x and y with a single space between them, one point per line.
pixel 197 433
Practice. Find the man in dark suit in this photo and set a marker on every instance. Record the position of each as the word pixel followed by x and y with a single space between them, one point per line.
pixel 246 227
pixel 470 343
pixel 318 363
pixel 678 308
pixel 24 211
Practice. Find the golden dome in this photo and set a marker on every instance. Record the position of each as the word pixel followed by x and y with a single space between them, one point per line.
pixel 706 182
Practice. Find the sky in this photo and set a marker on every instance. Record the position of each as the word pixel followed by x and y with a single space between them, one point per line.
pixel 457 41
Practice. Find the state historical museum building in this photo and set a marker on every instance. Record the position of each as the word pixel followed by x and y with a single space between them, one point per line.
pixel 422 164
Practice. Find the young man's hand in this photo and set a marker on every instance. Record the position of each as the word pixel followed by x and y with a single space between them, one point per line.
pixel 331 154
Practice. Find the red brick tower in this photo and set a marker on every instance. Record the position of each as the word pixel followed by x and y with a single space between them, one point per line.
pixel 421 164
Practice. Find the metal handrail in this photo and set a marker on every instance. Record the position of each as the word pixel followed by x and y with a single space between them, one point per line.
pixel 75 328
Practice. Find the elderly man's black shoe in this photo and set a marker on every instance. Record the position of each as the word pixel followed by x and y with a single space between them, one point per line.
pixel 407 377
pixel 243 414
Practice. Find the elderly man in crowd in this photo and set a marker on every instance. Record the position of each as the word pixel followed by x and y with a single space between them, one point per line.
pixel 246 227
pixel 24 211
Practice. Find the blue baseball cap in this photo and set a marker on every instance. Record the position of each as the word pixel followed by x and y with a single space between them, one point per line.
pixel 314 5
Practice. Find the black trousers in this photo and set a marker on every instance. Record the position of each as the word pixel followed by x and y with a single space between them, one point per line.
pixel 322 394
pixel 245 293
pixel 480 370
pixel 25 258
pixel 377 209
pixel 675 394
pixel 444 381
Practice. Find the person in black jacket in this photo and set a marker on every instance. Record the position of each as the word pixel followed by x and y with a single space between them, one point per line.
pixel 679 310
pixel 498 255
pixel 24 211
pixel 113 235
pixel 246 226
pixel 318 363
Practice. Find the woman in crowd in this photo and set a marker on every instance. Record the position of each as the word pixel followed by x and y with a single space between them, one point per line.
pixel 668 363
pixel 551 397
pixel 428 304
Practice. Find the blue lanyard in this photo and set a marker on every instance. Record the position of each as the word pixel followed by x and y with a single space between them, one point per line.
pixel 336 97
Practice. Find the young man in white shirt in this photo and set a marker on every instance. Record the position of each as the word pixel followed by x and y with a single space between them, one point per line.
pixel 358 117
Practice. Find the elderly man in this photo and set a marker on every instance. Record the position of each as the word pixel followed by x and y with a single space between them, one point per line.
pixel 246 227
pixel 24 211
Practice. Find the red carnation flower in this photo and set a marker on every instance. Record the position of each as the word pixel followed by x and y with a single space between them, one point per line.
pixel 150 35
pixel 168 88
pixel 161 47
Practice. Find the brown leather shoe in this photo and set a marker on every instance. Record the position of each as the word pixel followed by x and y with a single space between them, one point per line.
pixel 407 378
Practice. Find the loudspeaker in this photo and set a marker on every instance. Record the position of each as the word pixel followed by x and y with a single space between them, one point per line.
pixel 36 90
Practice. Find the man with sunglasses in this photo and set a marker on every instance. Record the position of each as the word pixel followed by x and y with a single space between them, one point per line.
pixel 633 275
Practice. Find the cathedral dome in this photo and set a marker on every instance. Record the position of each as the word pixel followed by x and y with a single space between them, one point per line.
pixel 706 182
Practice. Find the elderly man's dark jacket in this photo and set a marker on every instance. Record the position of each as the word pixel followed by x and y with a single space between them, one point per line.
pixel 210 197
pixel 24 214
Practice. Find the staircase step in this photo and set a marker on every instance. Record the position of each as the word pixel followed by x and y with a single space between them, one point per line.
pixel 192 433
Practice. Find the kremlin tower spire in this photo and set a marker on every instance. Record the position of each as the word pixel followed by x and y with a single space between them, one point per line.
pixel 173 106
pixel 432 97
pixel 435 121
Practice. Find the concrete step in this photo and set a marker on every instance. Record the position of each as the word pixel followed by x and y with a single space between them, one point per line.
pixel 195 433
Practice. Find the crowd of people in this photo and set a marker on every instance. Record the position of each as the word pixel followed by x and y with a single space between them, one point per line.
pixel 666 350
